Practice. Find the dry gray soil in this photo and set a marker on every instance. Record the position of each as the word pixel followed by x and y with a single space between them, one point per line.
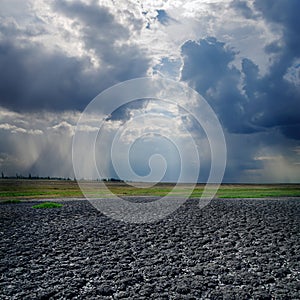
pixel 231 249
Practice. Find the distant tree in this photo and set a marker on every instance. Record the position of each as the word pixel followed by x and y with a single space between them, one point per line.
pixel 2 175
pixel 29 176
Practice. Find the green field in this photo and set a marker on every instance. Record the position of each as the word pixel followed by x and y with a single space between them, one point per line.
pixel 13 189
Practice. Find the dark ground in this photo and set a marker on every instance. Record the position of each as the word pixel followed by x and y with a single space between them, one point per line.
pixel 231 249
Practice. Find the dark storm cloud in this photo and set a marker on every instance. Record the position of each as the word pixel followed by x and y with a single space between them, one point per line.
pixel 285 13
pixel 34 78
pixel 273 100
pixel 281 99
pixel 207 68
pixel 269 101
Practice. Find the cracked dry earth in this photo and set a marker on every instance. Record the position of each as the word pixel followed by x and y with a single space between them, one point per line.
pixel 231 249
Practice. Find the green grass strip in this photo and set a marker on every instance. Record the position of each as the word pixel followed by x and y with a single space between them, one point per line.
pixel 47 205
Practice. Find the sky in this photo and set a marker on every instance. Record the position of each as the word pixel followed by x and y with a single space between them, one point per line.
pixel 243 57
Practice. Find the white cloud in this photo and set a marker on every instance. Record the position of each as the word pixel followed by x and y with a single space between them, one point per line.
pixel 64 127
pixel 15 129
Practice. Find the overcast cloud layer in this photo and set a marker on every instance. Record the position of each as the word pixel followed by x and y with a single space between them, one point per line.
pixel 243 57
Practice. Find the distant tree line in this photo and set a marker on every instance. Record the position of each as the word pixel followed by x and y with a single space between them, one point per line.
pixel 20 176
pixel 112 180
pixel 36 177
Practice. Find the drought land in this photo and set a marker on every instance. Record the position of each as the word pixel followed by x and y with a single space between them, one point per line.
pixel 231 249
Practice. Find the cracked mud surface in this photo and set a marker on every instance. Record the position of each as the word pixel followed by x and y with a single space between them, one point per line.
pixel 231 249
